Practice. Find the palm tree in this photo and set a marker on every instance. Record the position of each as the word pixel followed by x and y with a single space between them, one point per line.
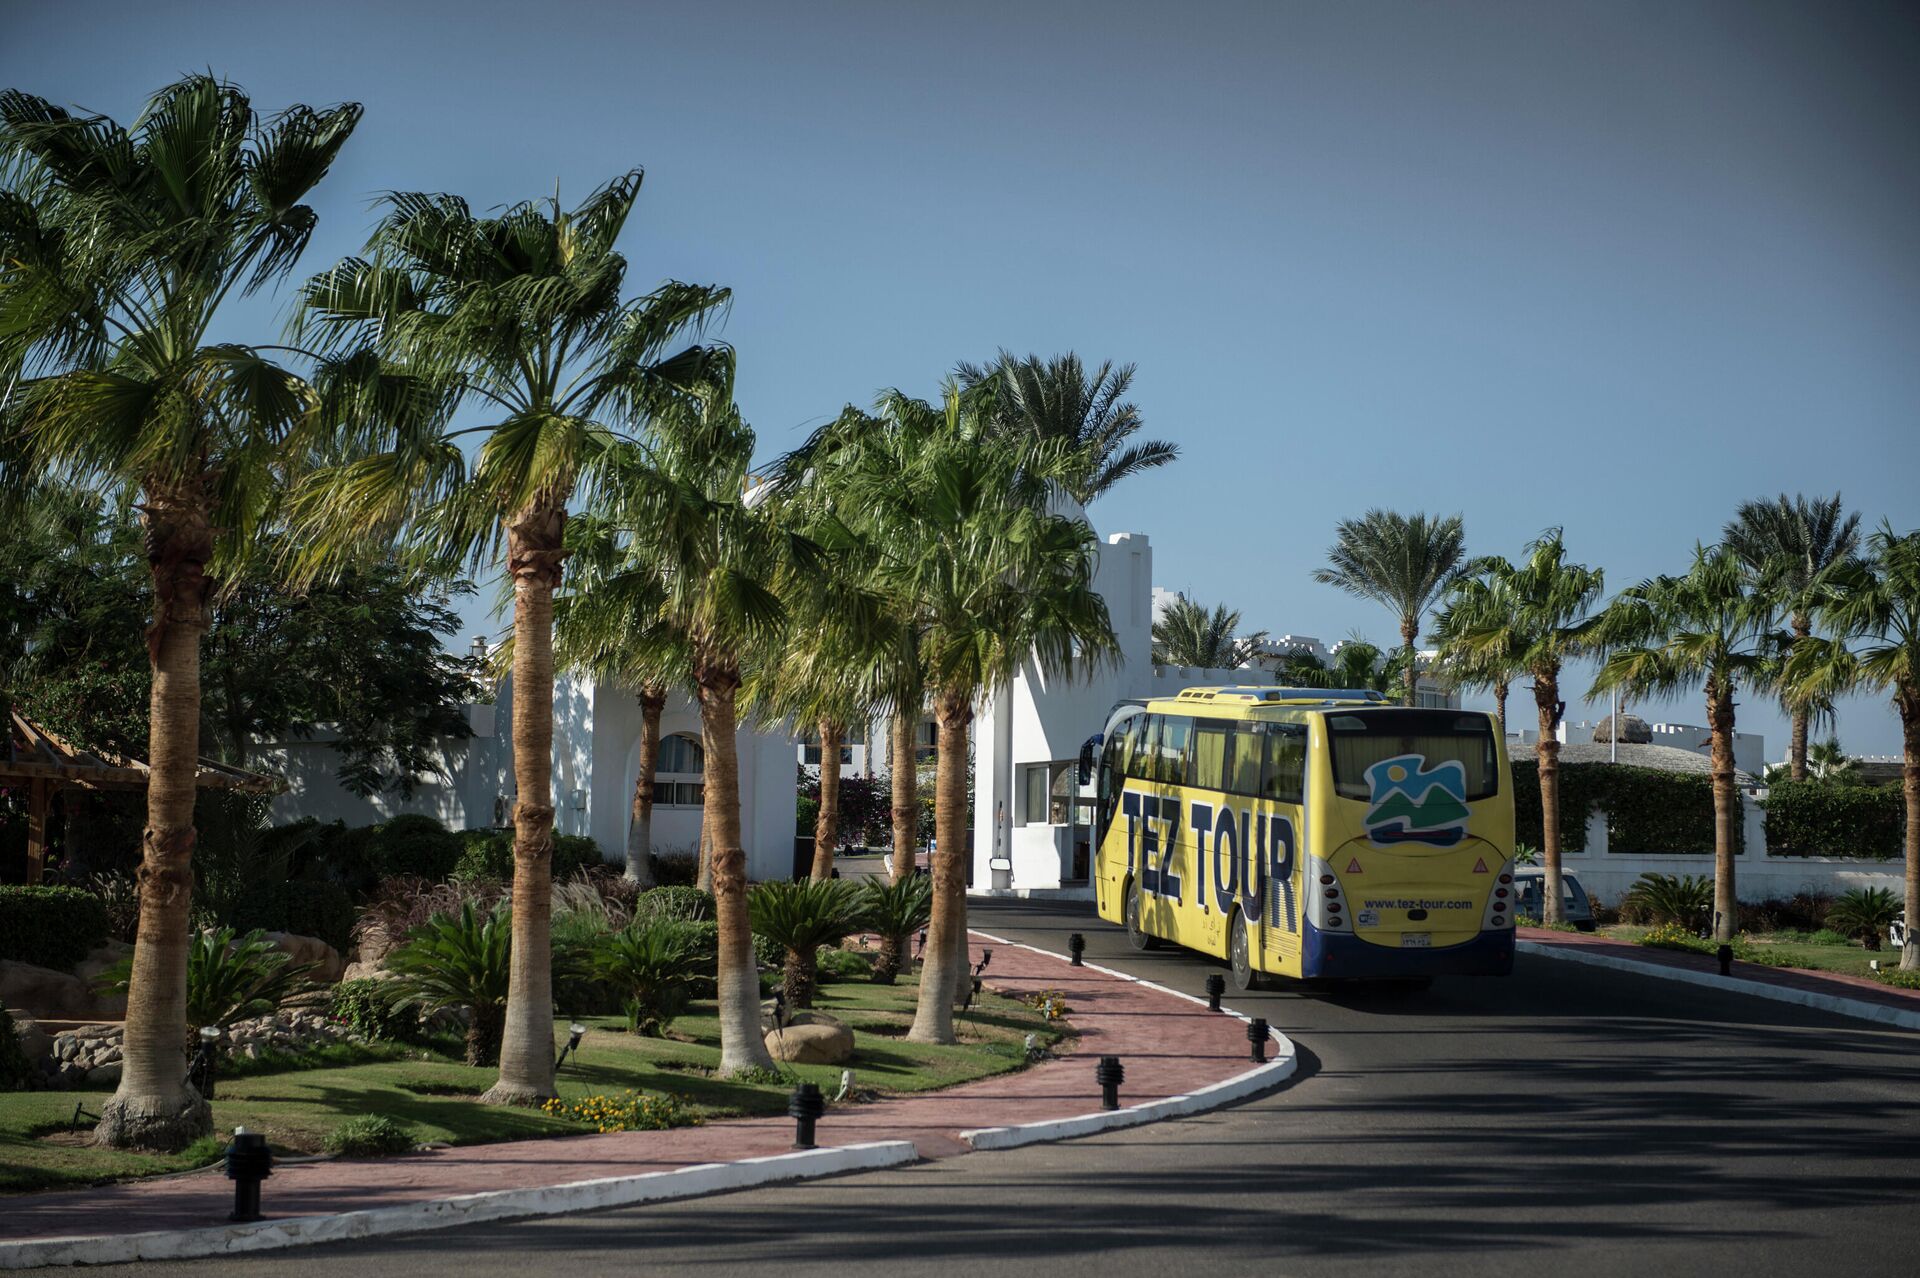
pixel 1709 628
pixel 1530 618
pixel 119 248
pixel 686 501
pixel 1186 634
pixel 988 578
pixel 1404 562
pixel 1872 609
pixel 1475 602
pixel 1058 400
pixel 522 317
pixel 1792 542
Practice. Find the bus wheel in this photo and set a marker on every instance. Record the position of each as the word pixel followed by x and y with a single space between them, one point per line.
pixel 1240 955
pixel 1136 930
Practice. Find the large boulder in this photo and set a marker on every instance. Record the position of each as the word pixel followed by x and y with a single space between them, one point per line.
pixel 46 994
pixel 328 966
pixel 812 1038
pixel 35 1042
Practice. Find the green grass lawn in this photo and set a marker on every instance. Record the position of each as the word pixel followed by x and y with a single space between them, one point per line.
pixel 1850 959
pixel 436 1094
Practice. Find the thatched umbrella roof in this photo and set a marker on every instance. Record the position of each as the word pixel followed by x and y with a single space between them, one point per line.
pixel 1633 730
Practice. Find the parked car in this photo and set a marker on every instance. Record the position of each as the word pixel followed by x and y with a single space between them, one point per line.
pixel 1529 882
pixel 1897 931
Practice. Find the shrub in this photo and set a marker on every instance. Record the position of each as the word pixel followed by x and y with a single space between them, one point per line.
pixel 1899 978
pixel 413 844
pixel 652 966
pixel 459 962
pixel 367 1008
pixel 1683 899
pixel 230 977
pixel 1823 818
pixel 1803 912
pixel 487 855
pixel 1648 810
pixel 800 918
pixel 1673 936
pixel 682 903
pixel 630 1111
pixel 16 1071
pixel 832 964
pixel 1827 936
pixel 895 911
pixel 50 926
pixel 370 1135
pixel 119 893
pixel 405 904
pixel 1864 913
pixel 676 868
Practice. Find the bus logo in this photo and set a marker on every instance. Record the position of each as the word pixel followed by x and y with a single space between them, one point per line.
pixel 1413 803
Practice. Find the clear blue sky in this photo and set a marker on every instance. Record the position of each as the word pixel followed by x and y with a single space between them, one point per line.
pixel 1613 266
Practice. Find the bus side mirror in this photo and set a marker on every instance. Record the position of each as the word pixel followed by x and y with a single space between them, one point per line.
pixel 1088 750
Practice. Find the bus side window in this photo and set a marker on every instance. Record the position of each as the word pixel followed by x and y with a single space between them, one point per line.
pixel 1284 771
pixel 1243 760
pixel 1145 741
pixel 1210 755
pixel 1174 731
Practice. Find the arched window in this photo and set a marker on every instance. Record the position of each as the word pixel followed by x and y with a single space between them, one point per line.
pixel 677 781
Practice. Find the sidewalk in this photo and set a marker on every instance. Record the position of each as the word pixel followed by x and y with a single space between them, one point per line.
pixel 1829 991
pixel 1170 1046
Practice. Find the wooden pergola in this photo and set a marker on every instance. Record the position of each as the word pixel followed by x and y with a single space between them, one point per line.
pixel 47 765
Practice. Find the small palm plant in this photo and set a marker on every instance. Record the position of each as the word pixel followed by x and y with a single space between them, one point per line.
pixel 459 961
pixel 1864 913
pixel 895 911
pixel 1686 899
pixel 229 977
pixel 800 918
pixel 652 965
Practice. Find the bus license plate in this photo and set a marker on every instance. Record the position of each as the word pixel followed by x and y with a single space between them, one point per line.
pixel 1416 940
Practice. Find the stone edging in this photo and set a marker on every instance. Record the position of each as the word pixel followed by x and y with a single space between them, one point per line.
pixel 1882 1013
pixel 463 1209
pixel 1258 1079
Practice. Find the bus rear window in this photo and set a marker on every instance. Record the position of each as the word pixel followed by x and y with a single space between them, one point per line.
pixel 1362 738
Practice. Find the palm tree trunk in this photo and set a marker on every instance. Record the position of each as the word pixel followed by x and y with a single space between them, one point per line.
pixel 703 855
pixel 1799 714
pixel 1409 631
pixel 1500 704
pixel 826 825
pixel 154 1108
pixel 906 802
pixel 741 1044
pixel 526 1047
pixel 653 701
pixel 941 973
pixel 1907 699
pixel 1726 810
pixel 1546 696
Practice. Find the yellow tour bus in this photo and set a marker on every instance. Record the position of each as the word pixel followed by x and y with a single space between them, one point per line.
pixel 1307 833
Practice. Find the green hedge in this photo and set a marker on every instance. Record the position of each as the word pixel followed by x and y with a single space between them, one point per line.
pixel 487 855
pixel 1828 818
pixel 1648 810
pixel 304 907
pixel 414 844
pixel 50 926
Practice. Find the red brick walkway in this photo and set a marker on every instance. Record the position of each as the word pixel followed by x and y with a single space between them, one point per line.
pixel 1170 1047
pixel 1839 985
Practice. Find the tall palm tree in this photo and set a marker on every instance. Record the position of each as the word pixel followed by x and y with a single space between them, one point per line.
pixel 1356 664
pixel 1533 616
pixel 521 317
pixel 1404 562
pixel 1710 628
pixel 1186 634
pixel 1792 542
pixel 988 577
pixel 1058 399
pixel 1873 610
pixel 1476 601
pixel 119 247
pixel 685 500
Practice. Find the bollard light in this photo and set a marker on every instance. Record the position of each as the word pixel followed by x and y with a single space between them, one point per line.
pixel 986 957
pixel 805 1107
pixel 1725 955
pixel 1257 1038
pixel 574 1033
pixel 1076 946
pixel 200 1073
pixel 1216 986
pixel 249 1162
pixel 1109 1073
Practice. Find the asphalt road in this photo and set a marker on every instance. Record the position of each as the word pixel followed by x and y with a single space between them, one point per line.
pixel 1564 1120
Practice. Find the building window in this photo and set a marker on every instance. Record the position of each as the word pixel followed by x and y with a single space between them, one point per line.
pixel 1048 793
pixel 926 741
pixel 679 777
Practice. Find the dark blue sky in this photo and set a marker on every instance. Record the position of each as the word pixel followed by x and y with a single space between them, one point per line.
pixel 1613 266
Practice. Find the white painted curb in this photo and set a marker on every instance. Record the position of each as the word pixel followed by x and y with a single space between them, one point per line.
pixel 1859 1008
pixel 465 1209
pixel 1258 1079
